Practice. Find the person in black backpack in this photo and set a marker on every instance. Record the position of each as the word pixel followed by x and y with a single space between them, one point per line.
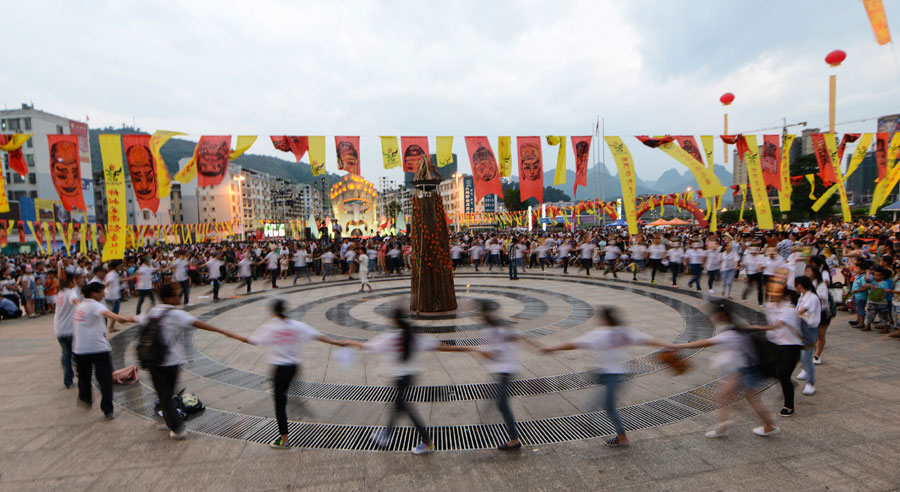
pixel 740 357
pixel 172 324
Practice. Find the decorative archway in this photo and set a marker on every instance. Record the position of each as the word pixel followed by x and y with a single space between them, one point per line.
pixel 654 201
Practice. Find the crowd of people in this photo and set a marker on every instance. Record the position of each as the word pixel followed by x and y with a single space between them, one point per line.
pixel 802 274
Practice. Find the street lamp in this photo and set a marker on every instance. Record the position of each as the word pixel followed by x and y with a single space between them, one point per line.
pixel 240 180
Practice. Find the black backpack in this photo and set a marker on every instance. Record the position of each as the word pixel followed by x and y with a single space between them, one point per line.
pixel 151 347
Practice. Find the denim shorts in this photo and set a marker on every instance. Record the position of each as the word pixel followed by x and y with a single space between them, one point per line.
pixel 860 306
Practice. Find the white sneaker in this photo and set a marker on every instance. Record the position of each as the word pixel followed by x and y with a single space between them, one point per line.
pixel 761 431
pixel 809 390
pixel 817 360
pixel 714 434
pixel 178 436
pixel 801 375
pixel 712 291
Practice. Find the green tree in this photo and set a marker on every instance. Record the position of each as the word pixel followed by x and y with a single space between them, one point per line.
pixel 392 209
pixel 801 204
pixel 511 200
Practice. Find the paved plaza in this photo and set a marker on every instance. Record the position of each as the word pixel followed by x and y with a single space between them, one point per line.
pixel 843 438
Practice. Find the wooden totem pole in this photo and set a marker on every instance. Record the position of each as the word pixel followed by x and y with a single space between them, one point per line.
pixel 432 270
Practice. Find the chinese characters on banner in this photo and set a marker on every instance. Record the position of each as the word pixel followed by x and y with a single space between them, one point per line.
pixel 65 169
pixel 504 151
pixel 582 148
pixel 415 152
pixel 625 165
pixel 485 172
pixel 784 170
pixel 114 176
pixel 143 170
pixel 531 168
pixel 757 185
pixel 823 158
pixel 347 154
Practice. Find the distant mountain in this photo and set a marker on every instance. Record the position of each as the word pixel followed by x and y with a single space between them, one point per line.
pixel 177 148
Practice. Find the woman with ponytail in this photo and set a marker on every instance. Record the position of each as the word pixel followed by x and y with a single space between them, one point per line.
pixel 285 338
pixel 404 345
pixel 610 344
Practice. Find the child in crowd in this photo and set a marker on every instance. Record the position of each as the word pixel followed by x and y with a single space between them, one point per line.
pixel 858 291
pixel 876 302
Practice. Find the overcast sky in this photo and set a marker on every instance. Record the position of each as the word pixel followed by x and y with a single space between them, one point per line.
pixel 459 68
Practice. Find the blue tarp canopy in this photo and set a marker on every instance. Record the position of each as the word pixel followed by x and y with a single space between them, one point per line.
pixel 618 223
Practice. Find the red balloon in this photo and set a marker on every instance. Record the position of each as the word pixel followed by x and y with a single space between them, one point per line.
pixel 727 98
pixel 835 58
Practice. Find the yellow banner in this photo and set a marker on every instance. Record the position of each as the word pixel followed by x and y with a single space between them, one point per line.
pixel 885 186
pixel 706 179
pixel 189 172
pixel 831 146
pixel 47 236
pixel 712 203
pixel 784 194
pixel 114 176
pixel 82 238
pixel 757 185
pixel 504 152
pixel 157 140
pixel 244 142
pixel 390 152
pixel 94 238
pixel 39 244
pixel 15 142
pixel 812 185
pixel 444 151
pixel 66 233
pixel 743 200
pixel 560 176
pixel 627 176
pixel 4 200
pixel 317 154
pixel 858 155
pixel 875 11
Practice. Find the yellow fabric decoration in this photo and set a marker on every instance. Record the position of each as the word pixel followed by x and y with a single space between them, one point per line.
pixel 627 175
pixel 114 175
pixel 244 142
pixel 560 176
pixel 784 194
pixel 858 155
pixel 15 142
pixel 709 183
pixel 82 238
pixel 504 153
pixel 886 185
pixel 812 185
pixel 94 246
pixel 39 244
pixel 157 140
pixel 48 236
pixel 743 200
pixel 444 151
pixel 189 172
pixel 757 185
pixel 317 154
pixel 390 152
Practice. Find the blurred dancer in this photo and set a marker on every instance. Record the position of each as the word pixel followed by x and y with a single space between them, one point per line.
pixel 740 357
pixel 284 338
pixel 610 344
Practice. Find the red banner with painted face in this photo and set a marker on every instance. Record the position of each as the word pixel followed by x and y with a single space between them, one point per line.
pixel 212 154
pixel 415 152
pixel 20 225
pixel 16 158
pixel 582 148
pixel 689 144
pixel 142 168
pixel 485 171
pixel 297 145
pixel 347 154
pixel 770 161
pixel 531 168
pixel 823 158
pixel 881 150
pixel 65 169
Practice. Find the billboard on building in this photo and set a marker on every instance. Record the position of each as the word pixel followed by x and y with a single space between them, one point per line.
pixel 84 142
pixel 468 194
pixel 889 124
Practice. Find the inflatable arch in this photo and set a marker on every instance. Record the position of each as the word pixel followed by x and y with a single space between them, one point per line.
pixel 656 200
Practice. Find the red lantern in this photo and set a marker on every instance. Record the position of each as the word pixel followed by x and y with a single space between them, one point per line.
pixel 726 98
pixel 835 58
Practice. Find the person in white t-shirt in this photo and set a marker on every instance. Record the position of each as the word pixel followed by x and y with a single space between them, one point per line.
pixel 272 266
pixel 611 253
pixel 143 283
pixel 362 260
pixel 245 271
pixel 695 257
pixel 475 254
pixel 586 254
pixel 741 359
pixel 610 343
pixel 64 322
pixel 712 263
pixel 656 252
pixel 404 345
pixel 173 323
pixel 729 259
pixel 180 275
pixel 91 348
pixel 675 257
pixel 214 267
pixel 327 258
pixel 809 308
pixel 300 267
pixel 638 253
pixel 113 294
pixel 456 252
pixel 285 339
pixel 495 248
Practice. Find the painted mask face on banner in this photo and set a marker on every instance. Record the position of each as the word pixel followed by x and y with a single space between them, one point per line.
pixel 485 165
pixel 348 157
pixel 582 150
pixel 532 168
pixel 414 157
pixel 212 158
pixel 65 168
pixel 769 158
pixel 143 172
pixel 692 149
